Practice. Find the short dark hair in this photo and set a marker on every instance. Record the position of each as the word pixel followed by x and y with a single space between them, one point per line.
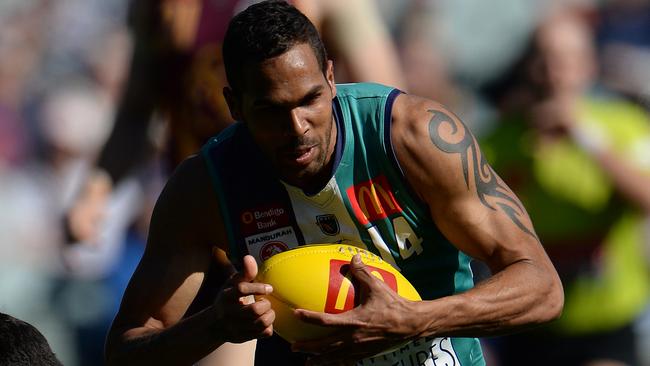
pixel 21 344
pixel 263 31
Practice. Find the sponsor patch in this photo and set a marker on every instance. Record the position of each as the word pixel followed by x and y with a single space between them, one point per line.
pixel 263 218
pixel 272 248
pixel 372 200
pixel 425 351
pixel 263 246
pixel 328 224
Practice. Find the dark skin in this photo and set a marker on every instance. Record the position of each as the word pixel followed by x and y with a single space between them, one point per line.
pixel 286 104
pixel 288 110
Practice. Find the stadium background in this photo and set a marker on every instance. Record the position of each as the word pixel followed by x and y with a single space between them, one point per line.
pixel 63 66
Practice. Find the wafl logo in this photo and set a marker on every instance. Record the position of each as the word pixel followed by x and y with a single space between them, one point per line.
pixel 272 248
pixel 328 224
pixel 340 292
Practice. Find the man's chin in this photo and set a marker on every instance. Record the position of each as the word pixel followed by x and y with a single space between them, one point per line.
pixel 298 177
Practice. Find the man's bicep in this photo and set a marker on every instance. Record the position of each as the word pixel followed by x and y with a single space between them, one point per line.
pixel 472 206
pixel 160 291
pixel 498 233
pixel 177 256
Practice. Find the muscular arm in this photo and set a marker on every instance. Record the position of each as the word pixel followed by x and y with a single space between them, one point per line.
pixel 479 214
pixel 148 328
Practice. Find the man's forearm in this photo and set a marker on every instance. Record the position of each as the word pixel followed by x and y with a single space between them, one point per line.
pixel 184 343
pixel 520 296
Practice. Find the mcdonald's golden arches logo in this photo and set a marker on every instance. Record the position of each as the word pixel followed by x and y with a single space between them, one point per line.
pixel 373 200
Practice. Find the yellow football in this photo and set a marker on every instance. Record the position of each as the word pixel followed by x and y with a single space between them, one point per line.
pixel 315 277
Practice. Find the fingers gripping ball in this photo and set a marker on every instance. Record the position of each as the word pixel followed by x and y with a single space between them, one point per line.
pixel 315 277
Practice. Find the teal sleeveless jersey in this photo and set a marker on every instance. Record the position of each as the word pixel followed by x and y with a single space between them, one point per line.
pixel 366 203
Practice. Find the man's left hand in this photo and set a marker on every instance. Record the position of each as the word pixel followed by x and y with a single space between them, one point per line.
pixel 383 320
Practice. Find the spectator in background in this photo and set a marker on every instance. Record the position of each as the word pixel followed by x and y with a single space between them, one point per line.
pixel 174 83
pixel 23 345
pixel 480 38
pixel 429 63
pixel 450 48
pixel 21 46
pixel 426 63
pixel 624 46
pixel 624 43
pixel 61 290
pixel 577 156
pixel 357 39
pixel 60 70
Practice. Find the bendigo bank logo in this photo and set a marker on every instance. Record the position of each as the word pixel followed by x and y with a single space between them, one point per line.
pixel 373 200
pixel 263 218
pixel 340 292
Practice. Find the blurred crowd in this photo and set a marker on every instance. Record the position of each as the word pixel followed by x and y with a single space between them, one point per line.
pixel 558 93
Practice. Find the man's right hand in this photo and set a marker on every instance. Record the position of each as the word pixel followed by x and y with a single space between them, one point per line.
pixel 240 317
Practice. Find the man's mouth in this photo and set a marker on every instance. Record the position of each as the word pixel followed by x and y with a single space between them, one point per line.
pixel 300 156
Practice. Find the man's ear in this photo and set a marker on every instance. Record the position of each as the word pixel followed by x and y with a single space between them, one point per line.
pixel 234 103
pixel 329 75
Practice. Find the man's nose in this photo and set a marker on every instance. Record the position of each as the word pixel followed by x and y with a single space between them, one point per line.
pixel 298 123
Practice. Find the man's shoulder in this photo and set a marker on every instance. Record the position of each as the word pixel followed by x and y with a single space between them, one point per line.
pixel 363 90
pixel 409 111
pixel 190 174
pixel 189 190
pixel 230 133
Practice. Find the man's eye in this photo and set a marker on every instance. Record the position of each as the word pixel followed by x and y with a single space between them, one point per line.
pixel 311 99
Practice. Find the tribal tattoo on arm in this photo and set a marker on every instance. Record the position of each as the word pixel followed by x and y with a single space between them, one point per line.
pixel 450 135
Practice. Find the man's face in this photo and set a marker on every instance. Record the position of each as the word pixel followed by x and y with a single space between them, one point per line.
pixel 286 103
